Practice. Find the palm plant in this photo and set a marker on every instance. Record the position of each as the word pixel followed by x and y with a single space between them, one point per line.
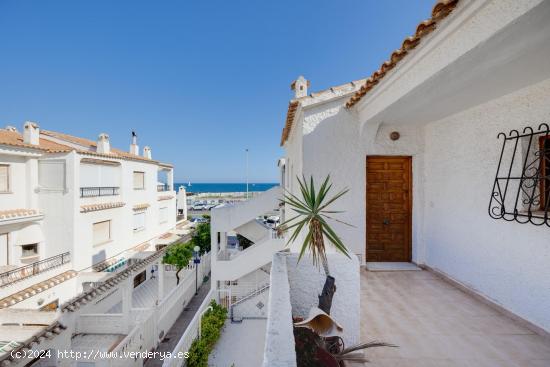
pixel 311 215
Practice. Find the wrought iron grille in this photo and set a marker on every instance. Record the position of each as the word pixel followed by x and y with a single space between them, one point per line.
pixel 38 267
pixel 521 190
pixel 88 192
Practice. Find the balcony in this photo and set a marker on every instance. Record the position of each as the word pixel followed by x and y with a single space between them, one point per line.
pixel 35 268
pixel 89 192
pixel 163 187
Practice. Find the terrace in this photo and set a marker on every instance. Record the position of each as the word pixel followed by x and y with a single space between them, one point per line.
pixel 435 323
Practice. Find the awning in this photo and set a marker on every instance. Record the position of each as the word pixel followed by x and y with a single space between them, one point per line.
pixel 30 234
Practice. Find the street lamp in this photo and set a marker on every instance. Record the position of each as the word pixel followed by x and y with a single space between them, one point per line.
pixel 246 173
pixel 196 261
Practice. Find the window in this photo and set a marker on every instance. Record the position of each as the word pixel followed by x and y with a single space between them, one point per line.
pixel 139 221
pixel 4 178
pixel 29 250
pixel 521 189
pixel 139 180
pixel 102 232
pixel 140 278
pixel 163 215
pixel 51 175
pixel 97 173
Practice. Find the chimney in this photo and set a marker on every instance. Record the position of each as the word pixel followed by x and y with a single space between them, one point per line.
pixel 147 152
pixel 13 129
pixel 299 86
pixel 103 144
pixel 31 133
pixel 134 148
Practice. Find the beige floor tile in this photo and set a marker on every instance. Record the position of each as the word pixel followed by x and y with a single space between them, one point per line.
pixel 435 324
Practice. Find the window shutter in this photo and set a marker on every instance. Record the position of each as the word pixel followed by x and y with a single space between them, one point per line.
pixel 163 215
pixel 139 180
pixel 102 232
pixel 139 221
pixel 51 174
pixel 4 178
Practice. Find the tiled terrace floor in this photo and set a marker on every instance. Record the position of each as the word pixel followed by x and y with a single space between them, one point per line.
pixel 437 325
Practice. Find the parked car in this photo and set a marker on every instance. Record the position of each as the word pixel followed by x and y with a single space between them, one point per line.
pixel 197 206
pixel 272 221
pixel 195 221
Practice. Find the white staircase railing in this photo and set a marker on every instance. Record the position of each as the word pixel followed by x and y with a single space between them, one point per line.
pixel 232 266
pixel 231 216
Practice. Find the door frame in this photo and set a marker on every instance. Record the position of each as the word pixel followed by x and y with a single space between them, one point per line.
pixel 409 232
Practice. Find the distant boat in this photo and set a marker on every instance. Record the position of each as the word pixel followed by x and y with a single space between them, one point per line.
pixel 189 184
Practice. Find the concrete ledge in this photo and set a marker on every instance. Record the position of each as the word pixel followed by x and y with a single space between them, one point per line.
pixel 279 341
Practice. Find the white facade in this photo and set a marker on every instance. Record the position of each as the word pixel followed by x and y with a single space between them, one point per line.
pixel 67 203
pixel 21 238
pixel 482 72
pixel 101 188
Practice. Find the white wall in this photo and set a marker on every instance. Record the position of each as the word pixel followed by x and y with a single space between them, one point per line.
pixel 454 163
pixel 279 341
pixel 306 283
pixel 21 195
pixel 506 261
pixel 68 229
pixel 59 210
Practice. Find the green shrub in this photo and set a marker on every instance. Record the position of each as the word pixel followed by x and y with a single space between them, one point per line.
pixel 211 326
pixel 201 237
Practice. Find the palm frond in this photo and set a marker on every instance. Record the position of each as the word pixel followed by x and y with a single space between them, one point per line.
pixel 373 344
pixel 311 212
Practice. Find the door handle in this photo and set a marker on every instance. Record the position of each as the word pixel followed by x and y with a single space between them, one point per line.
pixel 386 222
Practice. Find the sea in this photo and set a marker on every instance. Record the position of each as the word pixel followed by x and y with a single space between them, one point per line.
pixel 199 187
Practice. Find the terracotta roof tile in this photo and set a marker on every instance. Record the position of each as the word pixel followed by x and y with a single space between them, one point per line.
pixel 103 206
pixel 143 206
pixel 441 10
pixel 14 138
pixel 91 146
pixel 36 288
pixel 17 213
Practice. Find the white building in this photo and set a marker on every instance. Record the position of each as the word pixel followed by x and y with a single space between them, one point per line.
pixel 445 151
pixel 92 199
pixel 416 144
pixel 68 204
pixel 107 200
pixel 21 238
pixel 84 227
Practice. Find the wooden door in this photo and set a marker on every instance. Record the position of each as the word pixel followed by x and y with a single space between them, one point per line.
pixel 389 208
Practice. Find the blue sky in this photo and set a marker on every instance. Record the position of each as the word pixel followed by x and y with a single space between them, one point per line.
pixel 199 81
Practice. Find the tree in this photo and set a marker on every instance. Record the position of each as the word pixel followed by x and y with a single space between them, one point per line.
pixel 201 237
pixel 178 255
pixel 311 214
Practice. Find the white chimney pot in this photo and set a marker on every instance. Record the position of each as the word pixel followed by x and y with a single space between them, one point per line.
pixel 103 144
pixel 147 152
pixel 134 147
pixel 299 86
pixel 31 133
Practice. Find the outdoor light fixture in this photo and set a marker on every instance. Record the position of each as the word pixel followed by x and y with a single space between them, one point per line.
pixel 196 261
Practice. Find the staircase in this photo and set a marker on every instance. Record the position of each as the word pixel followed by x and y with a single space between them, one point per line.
pixel 233 266
pixel 230 265
pixel 249 306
